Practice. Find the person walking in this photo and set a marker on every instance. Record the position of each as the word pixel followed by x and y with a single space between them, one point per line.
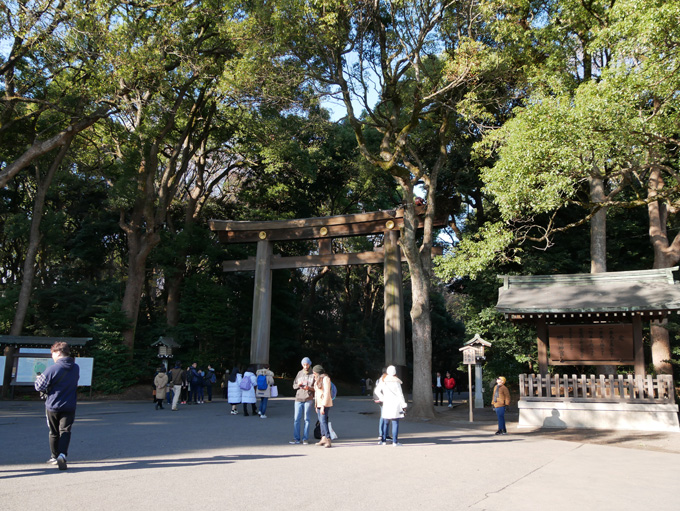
pixel 177 378
pixel 323 402
pixel 161 384
pixel 393 405
pixel 499 401
pixel 265 380
pixel 248 391
pixel 234 393
pixel 60 384
pixel 304 397
pixel 449 385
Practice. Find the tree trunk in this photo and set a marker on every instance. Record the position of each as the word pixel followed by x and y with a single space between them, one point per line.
pixel 140 245
pixel 598 241
pixel 34 242
pixel 417 259
pixel 598 228
pixel 665 256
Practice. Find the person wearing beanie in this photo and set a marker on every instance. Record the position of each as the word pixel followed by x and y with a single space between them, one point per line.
pixel 304 396
pixel 393 405
pixel 499 401
pixel 323 400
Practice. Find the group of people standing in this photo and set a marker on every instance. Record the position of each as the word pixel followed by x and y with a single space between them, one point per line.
pixel 312 386
pixel 247 387
pixel 185 386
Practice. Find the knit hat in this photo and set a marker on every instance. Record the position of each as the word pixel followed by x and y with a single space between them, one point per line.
pixel 318 369
pixel 502 379
pixel 306 361
pixel 392 371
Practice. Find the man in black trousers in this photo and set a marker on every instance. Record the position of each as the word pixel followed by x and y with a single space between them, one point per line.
pixel 60 383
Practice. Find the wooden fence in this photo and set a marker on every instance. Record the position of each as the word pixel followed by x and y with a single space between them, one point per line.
pixel 601 388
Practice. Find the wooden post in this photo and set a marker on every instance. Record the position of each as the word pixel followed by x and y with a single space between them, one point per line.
pixel 542 335
pixel 638 348
pixel 472 415
pixel 262 304
pixel 395 338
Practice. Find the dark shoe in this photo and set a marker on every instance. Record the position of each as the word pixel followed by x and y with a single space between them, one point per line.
pixel 61 461
pixel 246 414
pixel 505 432
pixel 499 432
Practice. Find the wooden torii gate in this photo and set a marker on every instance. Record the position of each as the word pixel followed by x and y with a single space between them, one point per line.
pixel 323 230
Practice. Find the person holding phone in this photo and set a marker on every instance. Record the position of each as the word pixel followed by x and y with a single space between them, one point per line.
pixel 304 397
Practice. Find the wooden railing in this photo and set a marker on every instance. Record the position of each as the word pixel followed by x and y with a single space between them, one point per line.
pixel 601 388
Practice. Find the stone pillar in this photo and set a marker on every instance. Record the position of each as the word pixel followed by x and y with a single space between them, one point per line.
pixel 479 387
pixel 395 338
pixel 262 304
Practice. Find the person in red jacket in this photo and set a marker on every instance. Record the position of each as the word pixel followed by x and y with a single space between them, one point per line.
pixel 449 385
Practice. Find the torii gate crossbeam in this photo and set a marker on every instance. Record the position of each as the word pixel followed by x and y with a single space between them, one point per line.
pixel 322 229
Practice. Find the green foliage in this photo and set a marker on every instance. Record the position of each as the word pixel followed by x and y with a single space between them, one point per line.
pixel 113 371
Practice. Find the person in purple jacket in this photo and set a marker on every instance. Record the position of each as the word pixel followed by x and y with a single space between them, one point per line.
pixel 60 383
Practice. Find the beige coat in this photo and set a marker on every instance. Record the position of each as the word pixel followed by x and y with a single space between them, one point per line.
pixel 322 391
pixel 161 383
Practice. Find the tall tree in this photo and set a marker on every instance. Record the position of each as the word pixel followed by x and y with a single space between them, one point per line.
pixel 404 69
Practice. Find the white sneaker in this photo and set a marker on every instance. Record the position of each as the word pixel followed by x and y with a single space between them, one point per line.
pixel 294 442
pixel 263 416
pixel 397 444
pixel 450 406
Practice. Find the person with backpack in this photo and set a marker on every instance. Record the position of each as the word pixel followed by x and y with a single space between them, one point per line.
pixel 324 401
pixel 234 393
pixel 209 379
pixel 248 384
pixel 265 380
pixel 449 385
pixel 393 405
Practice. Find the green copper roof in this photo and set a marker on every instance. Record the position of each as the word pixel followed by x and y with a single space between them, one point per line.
pixel 629 291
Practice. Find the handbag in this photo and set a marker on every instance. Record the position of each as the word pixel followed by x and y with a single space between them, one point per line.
pixel 273 391
pixel 332 432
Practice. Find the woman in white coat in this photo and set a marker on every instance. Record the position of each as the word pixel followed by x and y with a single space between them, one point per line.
pixel 248 395
pixel 393 404
pixel 234 389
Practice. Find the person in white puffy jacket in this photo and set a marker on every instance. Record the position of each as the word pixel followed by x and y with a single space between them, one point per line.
pixel 248 395
pixel 234 389
pixel 393 404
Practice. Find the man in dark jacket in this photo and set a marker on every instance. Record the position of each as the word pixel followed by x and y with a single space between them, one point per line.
pixel 60 383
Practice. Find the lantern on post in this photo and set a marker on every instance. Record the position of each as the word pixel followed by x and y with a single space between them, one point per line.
pixel 165 347
pixel 473 354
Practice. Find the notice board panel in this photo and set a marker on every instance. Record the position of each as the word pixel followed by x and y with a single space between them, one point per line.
pixel 591 344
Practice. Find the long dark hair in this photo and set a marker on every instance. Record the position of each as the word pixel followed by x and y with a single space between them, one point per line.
pixel 234 374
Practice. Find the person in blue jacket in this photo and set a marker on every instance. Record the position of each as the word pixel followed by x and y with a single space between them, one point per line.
pixel 60 383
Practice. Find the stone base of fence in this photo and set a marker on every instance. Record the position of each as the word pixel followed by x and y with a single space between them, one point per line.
pixel 556 413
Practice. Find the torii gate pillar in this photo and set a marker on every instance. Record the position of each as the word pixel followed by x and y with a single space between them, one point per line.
pixel 262 304
pixel 395 338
